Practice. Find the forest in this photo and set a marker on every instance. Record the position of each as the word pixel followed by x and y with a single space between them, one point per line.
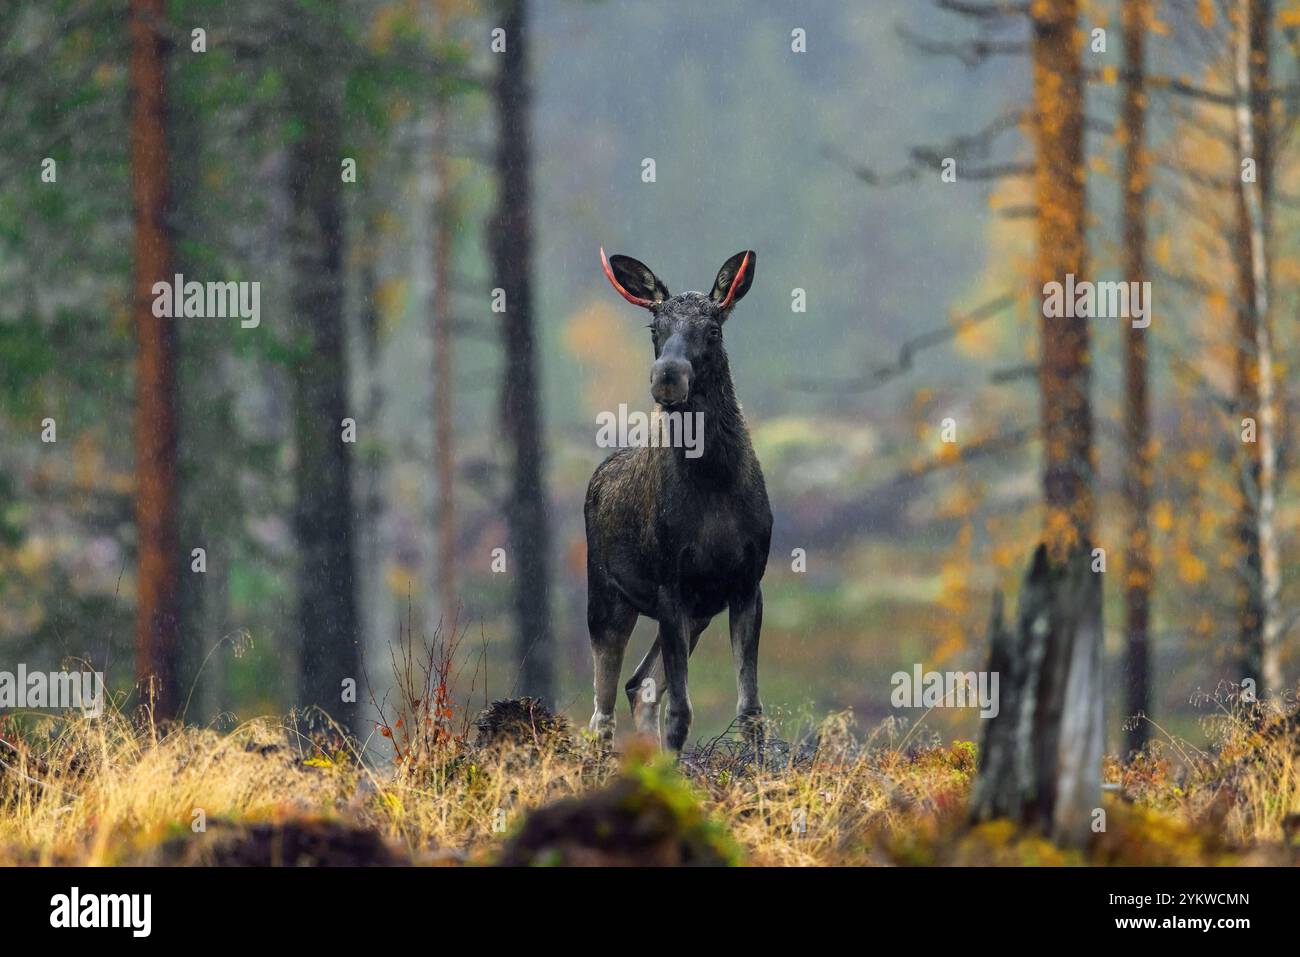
pixel 309 351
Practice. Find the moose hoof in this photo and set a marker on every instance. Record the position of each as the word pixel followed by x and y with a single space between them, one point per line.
pixel 645 716
pixel 602 726
pixel 752 730
pixel 677 724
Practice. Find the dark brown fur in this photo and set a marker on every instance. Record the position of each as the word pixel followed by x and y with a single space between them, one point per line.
pixel 675 538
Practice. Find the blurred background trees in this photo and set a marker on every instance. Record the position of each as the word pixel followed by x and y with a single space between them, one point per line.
pixel 879 314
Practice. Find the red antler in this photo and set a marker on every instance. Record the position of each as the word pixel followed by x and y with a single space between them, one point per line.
pixel 735 283
pixel 635 300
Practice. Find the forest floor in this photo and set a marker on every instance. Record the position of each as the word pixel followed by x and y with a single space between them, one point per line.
pixel 120 789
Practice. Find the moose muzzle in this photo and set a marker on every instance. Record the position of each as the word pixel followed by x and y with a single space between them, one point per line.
pixel 670 380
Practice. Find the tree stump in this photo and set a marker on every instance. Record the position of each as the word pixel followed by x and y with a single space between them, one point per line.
pixel 1040 758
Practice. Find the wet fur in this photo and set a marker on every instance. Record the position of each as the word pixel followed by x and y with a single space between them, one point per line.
pixel 678 539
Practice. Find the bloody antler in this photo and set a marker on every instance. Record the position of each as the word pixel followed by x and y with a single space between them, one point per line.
pixel 735 282
pixel 618 287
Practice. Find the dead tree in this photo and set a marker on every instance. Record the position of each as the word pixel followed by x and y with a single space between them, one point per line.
pixel 1041 762
pixel 1040 757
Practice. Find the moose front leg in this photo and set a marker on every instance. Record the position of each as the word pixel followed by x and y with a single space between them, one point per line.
pixel 611 625
pixel 746 616
pixel 674 645
pixel 645 687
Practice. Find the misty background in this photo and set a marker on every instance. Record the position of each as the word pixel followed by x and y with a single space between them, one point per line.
pixel 754 146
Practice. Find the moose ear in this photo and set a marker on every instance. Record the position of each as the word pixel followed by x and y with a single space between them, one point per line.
pixel 734 279
pixel 633 280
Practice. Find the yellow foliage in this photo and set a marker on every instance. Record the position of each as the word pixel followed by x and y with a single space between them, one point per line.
pixel 387 223
pixel 87 461
pixel 403 580
pixel 1191 569
pixel 390 299
pixel 34 555
pixel 1162 250
pixel 978 340
pixel 614 360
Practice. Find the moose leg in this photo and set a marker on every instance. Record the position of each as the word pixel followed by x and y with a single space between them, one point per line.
pixel 746 616
pixel 697 628
pixel 645 689
pixel 610 626
pixel 675 647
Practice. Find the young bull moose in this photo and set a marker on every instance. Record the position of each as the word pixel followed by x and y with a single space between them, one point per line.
pixel 673 536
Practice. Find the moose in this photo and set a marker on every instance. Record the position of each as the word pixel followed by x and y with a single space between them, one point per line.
pixel 676 537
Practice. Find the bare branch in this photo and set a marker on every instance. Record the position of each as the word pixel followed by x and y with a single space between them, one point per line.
pixel 972 53
pixel 1014 373
pixel 978 449
pixel 1022 211
pixel 984 11
pixel 1197 177
pixel 970 146
pixel 934 337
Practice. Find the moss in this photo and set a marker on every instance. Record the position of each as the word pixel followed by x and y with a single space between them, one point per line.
pixel 648 815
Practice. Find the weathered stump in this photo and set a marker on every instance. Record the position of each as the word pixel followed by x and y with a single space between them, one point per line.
pixel 1040 758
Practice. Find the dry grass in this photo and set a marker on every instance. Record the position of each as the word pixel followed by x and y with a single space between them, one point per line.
pixel 120 788
pixel 106 790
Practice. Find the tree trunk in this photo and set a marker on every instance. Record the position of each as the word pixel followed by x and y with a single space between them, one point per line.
pixel 1041 761
pixel 1137 415
pixel 1261 574
pixel 157 639
pixel 521 410
pixel 376 614
pixel 1064 364
pixel 1040 757
pixel 444 437
pixel 327 616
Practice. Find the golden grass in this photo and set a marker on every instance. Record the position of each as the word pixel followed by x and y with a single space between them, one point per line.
pixel 106 790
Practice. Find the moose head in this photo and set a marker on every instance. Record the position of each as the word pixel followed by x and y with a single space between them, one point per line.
pixel 686 328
